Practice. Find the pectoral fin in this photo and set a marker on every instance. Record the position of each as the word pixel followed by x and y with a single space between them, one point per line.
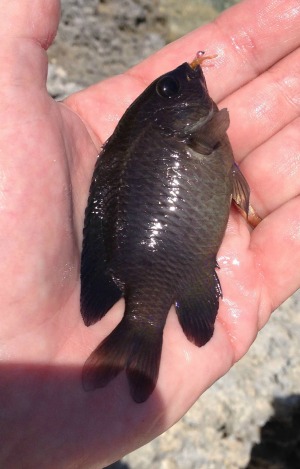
pixel 241 195
pixel 205 139
pixel 241 190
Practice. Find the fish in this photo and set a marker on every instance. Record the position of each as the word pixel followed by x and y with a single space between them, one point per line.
pixel 156 215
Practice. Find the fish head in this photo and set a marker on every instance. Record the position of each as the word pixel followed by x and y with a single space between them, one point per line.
pixel 179 100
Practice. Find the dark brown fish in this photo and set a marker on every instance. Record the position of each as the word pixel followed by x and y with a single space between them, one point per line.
pixel 156 216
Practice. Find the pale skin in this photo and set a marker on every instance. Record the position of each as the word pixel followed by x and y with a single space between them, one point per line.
pixel 47 154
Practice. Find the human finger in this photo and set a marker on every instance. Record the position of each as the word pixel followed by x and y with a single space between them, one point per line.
pixel 273 170
pixel 275 244
pixel 27 30
pixel 264 106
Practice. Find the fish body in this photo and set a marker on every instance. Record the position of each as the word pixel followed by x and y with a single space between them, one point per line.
pixel 157 211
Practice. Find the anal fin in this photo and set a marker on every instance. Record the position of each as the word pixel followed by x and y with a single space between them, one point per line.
pixel 198 306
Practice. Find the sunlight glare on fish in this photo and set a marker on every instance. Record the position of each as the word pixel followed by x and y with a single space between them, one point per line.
pixel 155 229
pixel 174 190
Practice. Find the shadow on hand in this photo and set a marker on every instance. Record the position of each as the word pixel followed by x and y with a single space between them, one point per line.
pixel 47 419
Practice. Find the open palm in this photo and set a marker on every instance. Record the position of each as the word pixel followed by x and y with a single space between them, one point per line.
pixel 47 154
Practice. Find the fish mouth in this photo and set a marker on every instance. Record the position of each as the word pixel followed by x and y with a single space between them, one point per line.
pixel 196 72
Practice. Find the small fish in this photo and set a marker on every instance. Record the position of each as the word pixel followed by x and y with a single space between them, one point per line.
pixel 157 211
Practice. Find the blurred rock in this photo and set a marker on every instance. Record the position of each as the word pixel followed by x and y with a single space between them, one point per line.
pixel 180 20
pixel 97 39
pixel 58 84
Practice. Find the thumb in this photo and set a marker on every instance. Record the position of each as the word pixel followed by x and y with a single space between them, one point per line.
pixel 28 28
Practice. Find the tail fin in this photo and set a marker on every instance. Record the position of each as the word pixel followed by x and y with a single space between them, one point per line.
pixel 133 347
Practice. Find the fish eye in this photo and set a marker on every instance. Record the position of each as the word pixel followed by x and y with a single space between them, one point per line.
pixel 167 87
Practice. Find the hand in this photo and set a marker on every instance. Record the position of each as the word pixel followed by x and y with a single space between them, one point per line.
pixel 47 154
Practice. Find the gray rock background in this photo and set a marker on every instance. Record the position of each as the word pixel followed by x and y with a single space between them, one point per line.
pixel 251 417
pixel 100 38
